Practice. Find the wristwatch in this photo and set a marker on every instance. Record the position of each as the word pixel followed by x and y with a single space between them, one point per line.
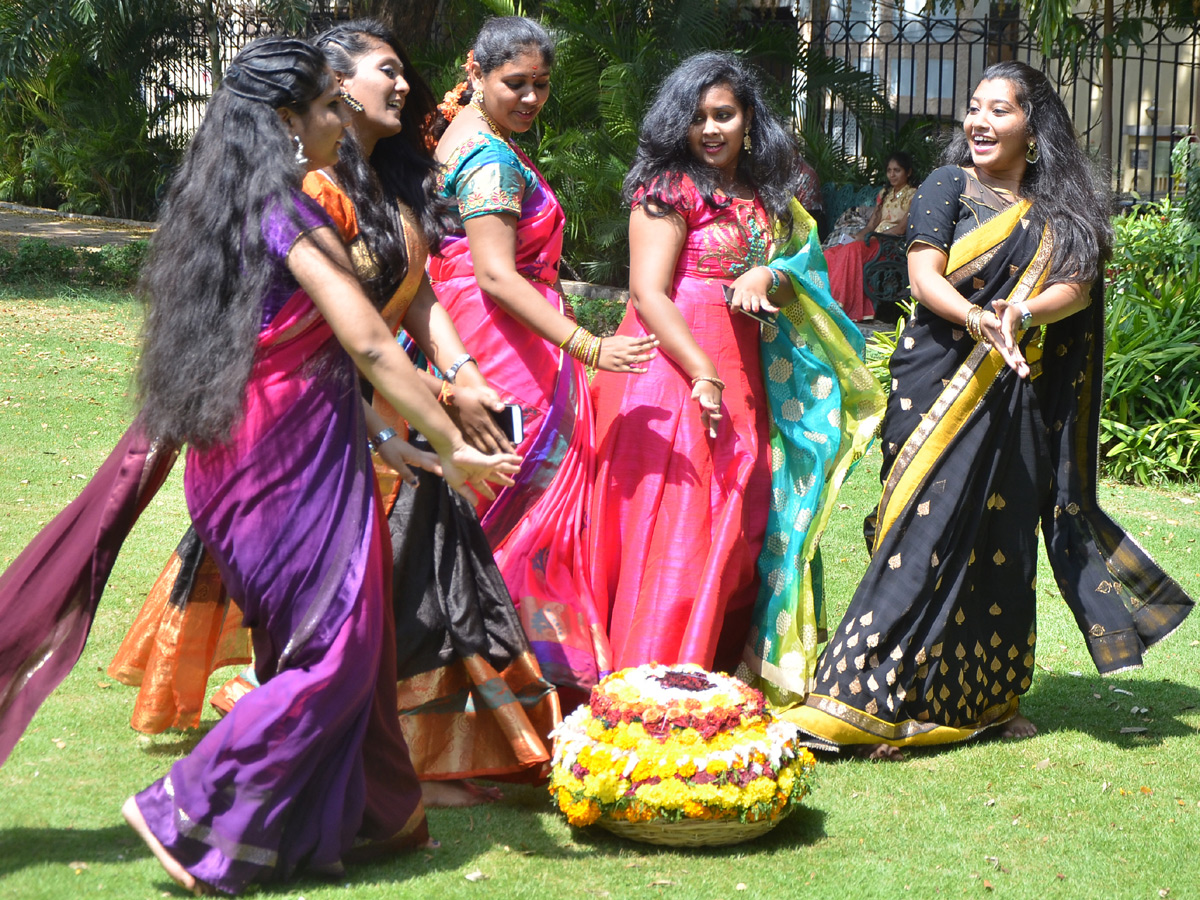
pixel 456 365
pixel 374 443
pixel 1026 315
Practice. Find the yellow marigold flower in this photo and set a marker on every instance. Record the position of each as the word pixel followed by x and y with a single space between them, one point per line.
pixel 728 796
pixel 786 780
pixel 705 793
pixel 585 812
pixel 689 736
pixel 643 770
pixel 760 790
pixel 715 766
pixel 637 730
pixel 687 769
pixel 694 810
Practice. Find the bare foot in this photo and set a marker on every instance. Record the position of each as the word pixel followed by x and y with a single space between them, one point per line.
pixel 1018 727
pixel 441 794
pixel 878 752
pixel 181 876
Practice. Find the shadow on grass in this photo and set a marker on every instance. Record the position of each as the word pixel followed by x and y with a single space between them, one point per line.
pixel 1070 703
pixel 118 845
pixel 22 847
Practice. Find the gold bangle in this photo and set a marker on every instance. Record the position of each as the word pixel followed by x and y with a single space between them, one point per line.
pixel 570 336
pixel 711 379
pixel 583 345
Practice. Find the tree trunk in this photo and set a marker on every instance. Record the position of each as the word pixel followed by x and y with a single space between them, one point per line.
pixel 413 21
pixel 1108 82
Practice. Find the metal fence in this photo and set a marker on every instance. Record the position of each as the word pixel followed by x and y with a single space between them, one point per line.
pixel 928 66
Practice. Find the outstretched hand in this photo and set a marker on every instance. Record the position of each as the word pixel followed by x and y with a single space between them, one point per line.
pixel 627 355
pixel 404 457
pixel 466 468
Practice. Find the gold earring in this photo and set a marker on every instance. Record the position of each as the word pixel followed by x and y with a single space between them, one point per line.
pixel 351 102
pixel 747 144
pixel 1032 155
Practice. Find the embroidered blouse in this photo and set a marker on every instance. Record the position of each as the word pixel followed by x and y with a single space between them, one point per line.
pixel 487 177
pixel 721 243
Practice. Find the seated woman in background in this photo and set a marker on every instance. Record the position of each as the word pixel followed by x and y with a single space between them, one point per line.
pixel 890 217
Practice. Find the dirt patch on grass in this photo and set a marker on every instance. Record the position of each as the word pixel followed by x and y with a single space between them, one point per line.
pixel 20 222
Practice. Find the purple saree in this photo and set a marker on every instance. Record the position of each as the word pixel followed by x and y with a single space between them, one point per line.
pixel 312 767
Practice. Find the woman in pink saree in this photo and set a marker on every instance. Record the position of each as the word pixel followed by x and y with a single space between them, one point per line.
pixel 497 276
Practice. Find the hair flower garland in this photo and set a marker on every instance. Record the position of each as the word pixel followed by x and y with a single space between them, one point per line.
pixel 673 743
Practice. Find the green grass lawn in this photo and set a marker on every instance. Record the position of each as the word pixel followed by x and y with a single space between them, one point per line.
pixel 1086 809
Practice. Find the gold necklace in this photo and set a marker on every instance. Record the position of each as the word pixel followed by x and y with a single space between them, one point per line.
pixel 477 102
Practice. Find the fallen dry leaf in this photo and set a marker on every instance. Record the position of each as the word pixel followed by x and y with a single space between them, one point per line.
pixel 1044 764
pixel 991 802
pixel 1146 790
pixel 475 876
pixel 741 886
pixel 988 886
pixel 1117 690
pixel 1134 730
pixel 660 882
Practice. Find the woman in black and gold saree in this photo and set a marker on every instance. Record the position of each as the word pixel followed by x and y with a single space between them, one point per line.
pixel 990 433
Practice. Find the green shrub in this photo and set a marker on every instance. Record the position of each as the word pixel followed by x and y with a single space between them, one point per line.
pixel 1152 355
pixel 599 316
pixel 36 261
pixel 116 265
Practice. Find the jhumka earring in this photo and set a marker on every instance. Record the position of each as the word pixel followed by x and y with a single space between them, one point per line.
pixel 747 144
pixel 1032 155
pixel 301 159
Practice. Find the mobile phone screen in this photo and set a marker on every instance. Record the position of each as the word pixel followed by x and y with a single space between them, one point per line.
pixel 510 422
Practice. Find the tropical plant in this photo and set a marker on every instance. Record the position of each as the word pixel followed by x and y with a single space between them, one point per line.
pixel 63 148
pixel 1152 356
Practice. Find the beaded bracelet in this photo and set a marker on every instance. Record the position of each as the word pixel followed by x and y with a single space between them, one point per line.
pixel 774 281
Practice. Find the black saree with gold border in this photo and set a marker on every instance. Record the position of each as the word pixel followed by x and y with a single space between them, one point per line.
pixel 938 641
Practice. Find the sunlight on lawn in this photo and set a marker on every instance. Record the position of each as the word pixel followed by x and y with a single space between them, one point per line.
pixel 1103 802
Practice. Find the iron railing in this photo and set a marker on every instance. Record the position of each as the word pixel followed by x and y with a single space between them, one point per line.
pixel 928 67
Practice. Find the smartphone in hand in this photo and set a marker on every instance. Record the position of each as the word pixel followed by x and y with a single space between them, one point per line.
pixel 510 422
pixel 761 316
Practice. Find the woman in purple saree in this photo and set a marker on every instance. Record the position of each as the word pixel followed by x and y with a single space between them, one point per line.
pixel 254 332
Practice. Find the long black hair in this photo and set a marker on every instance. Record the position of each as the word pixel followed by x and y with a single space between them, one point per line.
pixel 401 166
pixel 1063 184
pixel 904 160
pixel 663 154
pixel 501 40
pixel 209 266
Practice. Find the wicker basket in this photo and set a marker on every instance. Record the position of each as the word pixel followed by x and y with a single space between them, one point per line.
pixel 691 832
